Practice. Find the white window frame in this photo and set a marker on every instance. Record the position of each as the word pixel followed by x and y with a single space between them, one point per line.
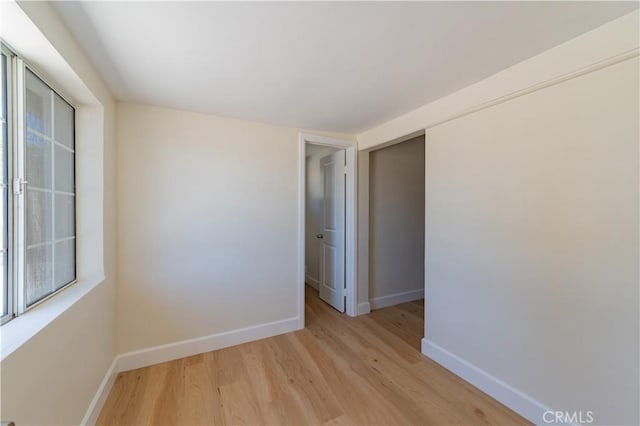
pixel 11 296
pixel 16 161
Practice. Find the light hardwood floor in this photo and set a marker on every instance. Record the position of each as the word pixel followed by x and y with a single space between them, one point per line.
pixel 338 370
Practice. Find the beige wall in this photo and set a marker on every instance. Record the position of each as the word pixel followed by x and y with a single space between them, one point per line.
pixel 363 229
pixel 532 242
pixel 396 219
pixel 51 379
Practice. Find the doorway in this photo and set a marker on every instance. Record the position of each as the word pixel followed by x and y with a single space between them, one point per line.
pixel 326 223
pixel 396 235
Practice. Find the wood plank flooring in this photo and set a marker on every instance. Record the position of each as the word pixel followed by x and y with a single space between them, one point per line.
pixel 337 371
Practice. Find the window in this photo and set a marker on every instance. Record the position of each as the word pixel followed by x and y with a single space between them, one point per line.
pixel 38 184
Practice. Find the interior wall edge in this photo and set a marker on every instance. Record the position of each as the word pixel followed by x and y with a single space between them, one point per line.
pixel 604 46
pixel 313 282
pixel 102 393
pixel 364 308
pixel 62 364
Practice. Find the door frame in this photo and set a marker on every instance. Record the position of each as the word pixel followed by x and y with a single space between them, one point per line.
pixel 350 249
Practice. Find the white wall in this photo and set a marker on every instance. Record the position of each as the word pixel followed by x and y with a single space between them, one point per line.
pixel 396 220
pixel 52 378
pixel 313 214
pixel 207 211
pixel 532 227
pixel 532 249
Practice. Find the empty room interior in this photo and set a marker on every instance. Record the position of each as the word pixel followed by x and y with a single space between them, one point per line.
pixel 296 213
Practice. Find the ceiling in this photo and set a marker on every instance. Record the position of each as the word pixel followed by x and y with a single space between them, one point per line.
pixel 342 67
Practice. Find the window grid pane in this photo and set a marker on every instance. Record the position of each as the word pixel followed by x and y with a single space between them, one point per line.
pixel 63 123
pixel 39 273
pixel 65 263
pixel 50 195
pixel 39 217
pixel 38 153
pixel 39 105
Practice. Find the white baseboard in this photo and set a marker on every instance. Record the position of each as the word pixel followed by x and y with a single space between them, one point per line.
pixel 519 402
pixel 157 354
pixel 312 281
pixel 95 407
pixel 396 299
pixel 163 353
pixel 364 308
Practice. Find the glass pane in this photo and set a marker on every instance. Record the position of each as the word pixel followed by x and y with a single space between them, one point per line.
pixel 63 114
pixel 65 216
pixel 3 154
pixel 38 161
pixel 38 217
pixel 65 255
pixel 38 104
pixel 39 269
pixel 64 170
pixel 49 169
pixel 5 219
pixel 5 289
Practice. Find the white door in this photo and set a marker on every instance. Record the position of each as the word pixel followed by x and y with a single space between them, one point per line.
pixel 332 238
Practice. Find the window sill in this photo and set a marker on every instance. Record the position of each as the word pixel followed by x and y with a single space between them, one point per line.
pixel 20 330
